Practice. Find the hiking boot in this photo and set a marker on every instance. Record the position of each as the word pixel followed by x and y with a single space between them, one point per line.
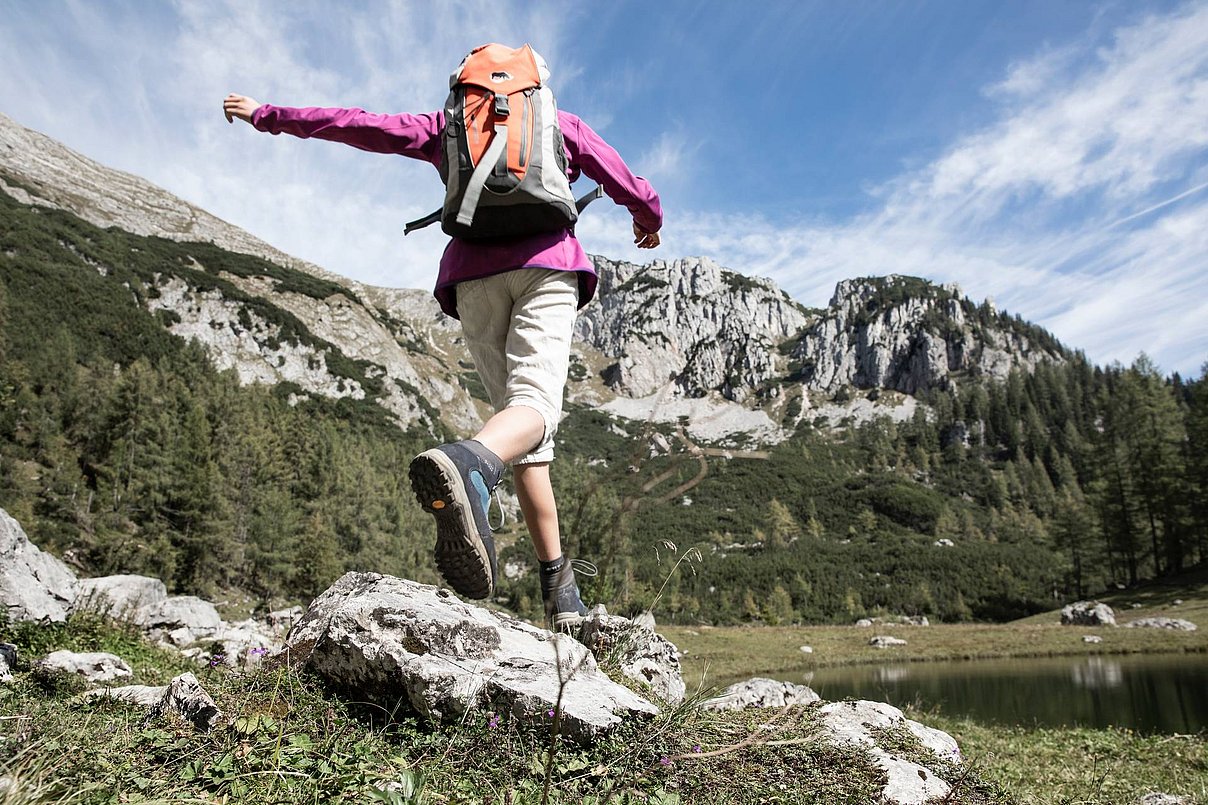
pixel 453 483
pixel 563 606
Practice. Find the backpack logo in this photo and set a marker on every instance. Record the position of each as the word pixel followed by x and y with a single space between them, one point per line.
pixel 500 76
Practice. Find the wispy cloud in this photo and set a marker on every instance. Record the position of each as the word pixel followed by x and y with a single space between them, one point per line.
pixel 1079 207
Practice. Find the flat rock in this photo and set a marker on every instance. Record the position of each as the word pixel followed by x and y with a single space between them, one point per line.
pixel 386 640
pixel 886 641
pixel 95 666
pixel 142 695
pixel 1091 638
pixel 120 597
pixel 1160 798
pixel 1178 624
pixel 761 692
pixel 34 586
pixel 908 783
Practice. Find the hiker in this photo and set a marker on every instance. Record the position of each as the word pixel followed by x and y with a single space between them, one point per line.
pixel 515 290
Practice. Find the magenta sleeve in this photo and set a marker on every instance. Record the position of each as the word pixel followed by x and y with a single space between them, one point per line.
pixel 600 162
pixel 416 136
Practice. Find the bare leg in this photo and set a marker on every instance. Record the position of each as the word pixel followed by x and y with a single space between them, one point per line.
pixel 509 434
pixel 512 432
pixel 536 495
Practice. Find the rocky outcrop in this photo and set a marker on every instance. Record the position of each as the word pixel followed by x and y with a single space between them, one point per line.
pixel 690 323
pixel 386 640
pixel 905 334
pixel 642 655
pixel 1087 613
pixel 761 692
pixel 34 585
pixel 865 723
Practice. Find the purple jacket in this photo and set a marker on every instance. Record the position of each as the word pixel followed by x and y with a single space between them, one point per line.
pixel 418 136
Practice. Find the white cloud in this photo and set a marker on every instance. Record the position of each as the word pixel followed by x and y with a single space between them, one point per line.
pixel 1080 207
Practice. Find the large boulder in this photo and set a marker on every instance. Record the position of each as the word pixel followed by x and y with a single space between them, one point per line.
pixel 642 655
pixel 34 585
pixel 864 723
pixel 94 666
pixel 1088 613
pixel 886 641
pixel 386 640
pixel 760 692
pixel 122 597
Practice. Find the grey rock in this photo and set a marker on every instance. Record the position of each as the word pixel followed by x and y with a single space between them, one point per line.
pixel 806 649
pixel 186 697
pixel 864 623
pixel 1159 798
pixel 95 666
pixel 1088 613
pixel 908 783
pixel 1091 638
pixel 1178 624
pixel 886 641
pixel 34 585
pixel 882 333
pixel 121 597
pixel 387 640
pixel 761 692
pixel 914 620
pixel 8 661
pixel 688 323
pixel 642 655
pixel 143 695
pixel 181 611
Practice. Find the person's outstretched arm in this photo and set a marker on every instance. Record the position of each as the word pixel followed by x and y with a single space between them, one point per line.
pixel 600 162
pixel 415 136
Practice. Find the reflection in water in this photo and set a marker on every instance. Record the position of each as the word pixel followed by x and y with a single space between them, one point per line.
pixel 1157 694
pixel 1098 672
pixel 890 674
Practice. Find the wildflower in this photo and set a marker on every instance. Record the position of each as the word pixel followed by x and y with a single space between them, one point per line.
pixel 493 721
pixel 217 659
pixel 256 652
pixel 550 712
pixel 666 761
pixel 696 749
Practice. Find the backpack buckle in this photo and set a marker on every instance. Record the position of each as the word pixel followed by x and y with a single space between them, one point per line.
pixel 501 105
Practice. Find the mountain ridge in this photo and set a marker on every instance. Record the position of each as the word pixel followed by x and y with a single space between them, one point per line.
pixel 684 335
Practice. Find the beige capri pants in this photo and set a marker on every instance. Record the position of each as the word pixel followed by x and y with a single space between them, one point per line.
pixel 518 327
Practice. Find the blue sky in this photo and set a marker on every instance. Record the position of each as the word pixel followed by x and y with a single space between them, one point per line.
pixel 1051 155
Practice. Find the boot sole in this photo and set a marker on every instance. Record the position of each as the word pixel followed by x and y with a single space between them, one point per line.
pixel 461 557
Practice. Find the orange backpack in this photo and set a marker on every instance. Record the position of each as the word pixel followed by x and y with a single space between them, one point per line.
pixel 504 165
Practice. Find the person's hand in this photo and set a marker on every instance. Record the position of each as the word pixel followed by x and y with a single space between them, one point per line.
pixel 644 239
pixel 239 106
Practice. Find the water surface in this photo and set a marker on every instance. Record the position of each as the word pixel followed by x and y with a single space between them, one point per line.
pixel 1150 694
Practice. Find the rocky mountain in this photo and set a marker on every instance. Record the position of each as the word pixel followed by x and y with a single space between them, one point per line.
pixel 669 339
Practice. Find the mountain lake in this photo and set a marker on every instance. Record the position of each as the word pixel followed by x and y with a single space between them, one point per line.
pixel 1150 694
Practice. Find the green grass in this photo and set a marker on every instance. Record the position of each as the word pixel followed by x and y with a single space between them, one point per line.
pixel 284 738
pixel 1079 766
